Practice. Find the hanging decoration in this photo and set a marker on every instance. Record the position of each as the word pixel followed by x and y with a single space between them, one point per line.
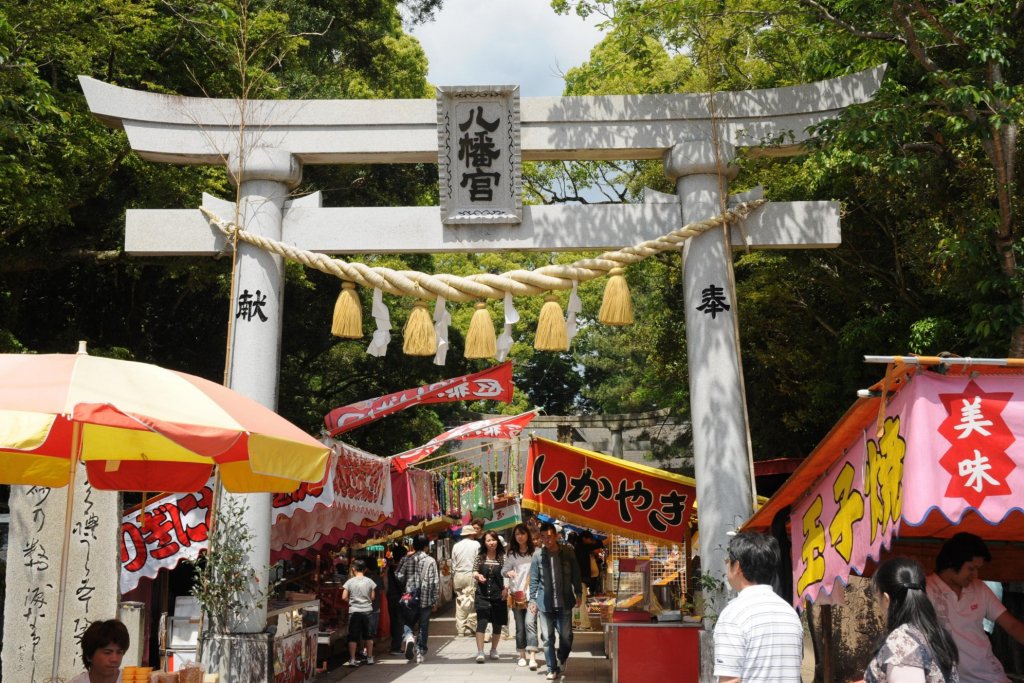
pixel 480 340
pixel 442 319
pixel 382 335
pixel 492 384
pixel 616 309
pixel 419 337
pixel 504 342
pixel 574 308
pixel 551 329
pixel 501 427
pixel 617 305
pixel 348 313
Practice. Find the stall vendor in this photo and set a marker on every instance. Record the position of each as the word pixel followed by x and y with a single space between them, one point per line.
pixel 103 646
pixel 962 602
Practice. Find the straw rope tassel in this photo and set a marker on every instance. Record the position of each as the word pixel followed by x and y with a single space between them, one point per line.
pixel 420 339
pixel 481 341
pixel 551 333
pixel 348 313
pixel 617 305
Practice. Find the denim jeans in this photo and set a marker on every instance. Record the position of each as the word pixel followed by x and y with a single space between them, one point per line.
pixel 560 622
pixel 536 631
pixel 423 619
pixel 526 629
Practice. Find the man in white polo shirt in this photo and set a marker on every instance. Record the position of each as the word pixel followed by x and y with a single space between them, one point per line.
pixel 758 637
pixel 962 602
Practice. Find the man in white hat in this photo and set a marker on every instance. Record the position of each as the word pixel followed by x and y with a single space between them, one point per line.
pixel 463 556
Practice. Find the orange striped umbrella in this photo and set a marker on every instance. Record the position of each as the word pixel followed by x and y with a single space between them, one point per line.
pixel 140 427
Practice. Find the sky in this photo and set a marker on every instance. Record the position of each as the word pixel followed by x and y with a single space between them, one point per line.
pixel 505 42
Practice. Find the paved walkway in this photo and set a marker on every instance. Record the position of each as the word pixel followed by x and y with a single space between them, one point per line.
pixel 452 660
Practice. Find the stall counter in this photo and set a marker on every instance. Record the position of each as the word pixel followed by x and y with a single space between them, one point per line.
pixel 295 625
pixel 645 652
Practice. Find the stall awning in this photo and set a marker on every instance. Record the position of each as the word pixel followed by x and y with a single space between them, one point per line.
pixel 607 494
pixel 944 453
pixel 306 533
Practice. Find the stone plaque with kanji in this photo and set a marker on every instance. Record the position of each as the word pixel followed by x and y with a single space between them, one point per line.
pixel 479 159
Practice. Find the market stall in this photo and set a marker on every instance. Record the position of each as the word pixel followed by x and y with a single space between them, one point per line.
pixel 654 509
pixel 924 454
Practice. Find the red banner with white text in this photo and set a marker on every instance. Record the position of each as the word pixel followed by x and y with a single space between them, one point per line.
pixel 607 494
pixel 173 528
pixel 501 427
pixel 493 384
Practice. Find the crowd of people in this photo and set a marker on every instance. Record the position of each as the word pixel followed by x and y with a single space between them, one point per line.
pixel 536 577
pixel 933 624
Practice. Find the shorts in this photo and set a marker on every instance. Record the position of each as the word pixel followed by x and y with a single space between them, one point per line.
pixel 358 626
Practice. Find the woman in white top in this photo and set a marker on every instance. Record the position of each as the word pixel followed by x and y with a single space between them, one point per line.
pixel 103 646
pixel 517 570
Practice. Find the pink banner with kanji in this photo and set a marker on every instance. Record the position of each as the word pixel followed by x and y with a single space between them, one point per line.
pixel 954 438
pixel 172 528
pixel 492 384
pixel 966 450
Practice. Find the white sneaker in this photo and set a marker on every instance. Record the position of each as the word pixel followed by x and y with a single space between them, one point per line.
pixel 533 664
pixel 522 661
pixel 494 654
pixel 409 645
pixel 419 657
pixel 480 658
pixel 553 676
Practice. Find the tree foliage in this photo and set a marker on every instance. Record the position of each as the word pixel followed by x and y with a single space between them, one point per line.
pixel 66 180
pixel 926 173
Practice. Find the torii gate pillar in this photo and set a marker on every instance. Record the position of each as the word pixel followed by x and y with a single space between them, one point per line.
pixel 265 177
pixel 721 446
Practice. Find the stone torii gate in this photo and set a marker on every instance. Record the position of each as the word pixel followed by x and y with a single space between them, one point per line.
pixel 695 135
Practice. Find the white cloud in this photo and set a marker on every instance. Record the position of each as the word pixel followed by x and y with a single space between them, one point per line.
pixel 505 42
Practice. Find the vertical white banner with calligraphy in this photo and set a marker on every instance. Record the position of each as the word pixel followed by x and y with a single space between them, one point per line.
pixel 33 572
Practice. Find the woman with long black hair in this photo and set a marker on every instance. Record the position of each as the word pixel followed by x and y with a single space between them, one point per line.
pixel 916 648
pixel 491 594
pixel 517 569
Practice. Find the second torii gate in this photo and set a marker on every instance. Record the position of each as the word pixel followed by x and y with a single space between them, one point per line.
pixel 694 134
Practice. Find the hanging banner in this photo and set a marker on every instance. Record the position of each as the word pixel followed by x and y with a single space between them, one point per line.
pixel 965 442
pixel 954 437
pixel 607 494
pixel 853 512
pixel 355 479
pixel 507 514
pixel 493 384
pixel 306 533
pixel 173 528
pixel 502 427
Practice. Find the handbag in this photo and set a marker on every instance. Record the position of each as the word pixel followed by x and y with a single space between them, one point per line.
pixel 410 599
pixel 409 603
pixel 517 600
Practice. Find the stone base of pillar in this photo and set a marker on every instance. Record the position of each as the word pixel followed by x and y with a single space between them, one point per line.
pixel 239 657
pixel 707 656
